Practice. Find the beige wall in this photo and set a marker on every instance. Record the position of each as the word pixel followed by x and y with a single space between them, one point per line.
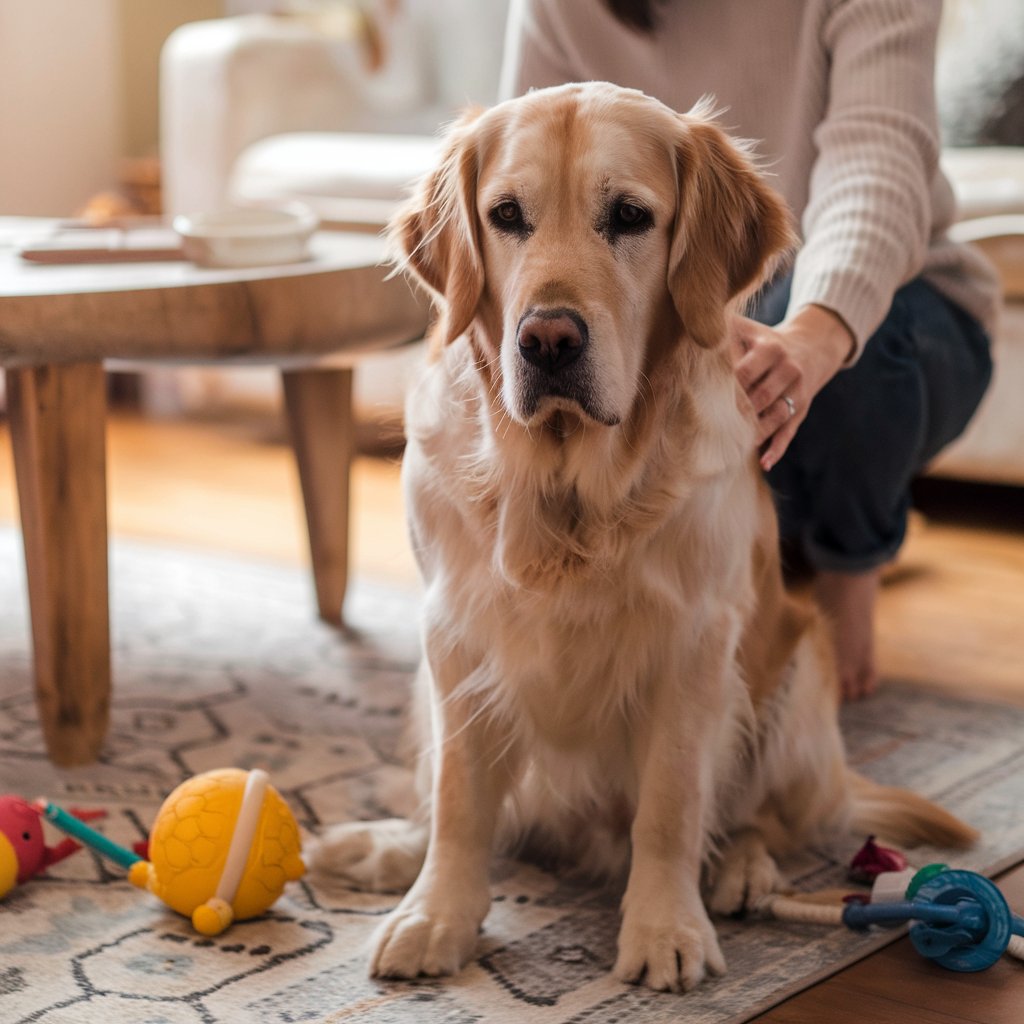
pixel 79 81
pixel 60 117
pixel 145 24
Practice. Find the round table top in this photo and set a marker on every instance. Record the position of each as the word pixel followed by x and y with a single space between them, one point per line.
pixel 339 301
pixel 329 251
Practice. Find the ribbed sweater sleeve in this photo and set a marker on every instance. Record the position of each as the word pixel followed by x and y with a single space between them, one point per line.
pixel 867 223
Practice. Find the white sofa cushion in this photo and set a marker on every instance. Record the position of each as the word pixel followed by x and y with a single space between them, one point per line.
pixel 988 181
pixel 989 186
pixel 345 176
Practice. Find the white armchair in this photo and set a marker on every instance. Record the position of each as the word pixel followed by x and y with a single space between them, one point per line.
pixel 257 108
pixel 300 107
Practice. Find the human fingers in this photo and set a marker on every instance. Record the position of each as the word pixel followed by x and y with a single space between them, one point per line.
pixel 777 395
pixel 779 426
pixel 784 379
pixel 767 370
pixel 756 355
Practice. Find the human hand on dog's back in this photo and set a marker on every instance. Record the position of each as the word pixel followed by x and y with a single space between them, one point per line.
pixel 793 361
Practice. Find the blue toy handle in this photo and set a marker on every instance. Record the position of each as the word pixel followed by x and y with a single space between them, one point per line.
pixel 859 916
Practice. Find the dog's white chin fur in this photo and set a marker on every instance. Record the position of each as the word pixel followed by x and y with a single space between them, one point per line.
pixel 565 417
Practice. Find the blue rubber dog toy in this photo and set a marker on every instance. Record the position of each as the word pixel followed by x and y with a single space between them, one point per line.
pixel 961 920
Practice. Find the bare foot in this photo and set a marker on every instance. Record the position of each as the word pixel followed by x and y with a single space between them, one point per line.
pixel 848 600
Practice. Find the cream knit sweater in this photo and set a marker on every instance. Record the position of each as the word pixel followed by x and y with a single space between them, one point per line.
pixel 839 95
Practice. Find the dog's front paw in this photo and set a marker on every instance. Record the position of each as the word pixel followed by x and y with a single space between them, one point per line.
pixel 417 938
pixel 669 953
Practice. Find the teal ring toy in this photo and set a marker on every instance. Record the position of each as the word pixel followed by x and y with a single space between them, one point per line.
pixel 961 920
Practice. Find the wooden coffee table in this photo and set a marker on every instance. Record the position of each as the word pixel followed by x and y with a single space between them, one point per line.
pixel 60 325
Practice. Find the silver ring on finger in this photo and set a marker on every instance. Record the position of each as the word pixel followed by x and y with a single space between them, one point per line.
pixel 790 405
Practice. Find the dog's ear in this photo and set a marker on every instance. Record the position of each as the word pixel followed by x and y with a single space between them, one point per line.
pixel 730 230
pixel 435 235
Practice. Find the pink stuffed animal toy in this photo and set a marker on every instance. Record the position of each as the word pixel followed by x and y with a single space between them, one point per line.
pixel 23 850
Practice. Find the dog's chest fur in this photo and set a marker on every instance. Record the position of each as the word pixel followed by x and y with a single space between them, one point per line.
pixel 577 568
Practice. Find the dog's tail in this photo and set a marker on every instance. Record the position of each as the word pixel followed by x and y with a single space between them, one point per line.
pixel 904 817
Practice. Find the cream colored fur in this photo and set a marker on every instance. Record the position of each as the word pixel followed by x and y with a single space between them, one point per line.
pixel 613 670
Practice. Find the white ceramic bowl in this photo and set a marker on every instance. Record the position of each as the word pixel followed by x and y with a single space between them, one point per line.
pixel 247 236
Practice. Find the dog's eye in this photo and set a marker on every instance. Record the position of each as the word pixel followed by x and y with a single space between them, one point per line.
pixel 628 218
pixel 508 212
pixel 507 216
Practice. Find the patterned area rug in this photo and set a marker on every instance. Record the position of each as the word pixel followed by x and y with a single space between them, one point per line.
pixel 221 663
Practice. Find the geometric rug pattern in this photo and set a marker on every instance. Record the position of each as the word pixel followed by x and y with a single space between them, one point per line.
pixel 220 662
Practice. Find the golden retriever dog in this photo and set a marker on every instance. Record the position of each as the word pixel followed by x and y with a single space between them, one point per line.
pixel 613 671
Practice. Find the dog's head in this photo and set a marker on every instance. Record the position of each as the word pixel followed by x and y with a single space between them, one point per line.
pixel 583 228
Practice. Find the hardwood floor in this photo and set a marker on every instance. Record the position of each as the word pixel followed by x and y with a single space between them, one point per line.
pixel 232 486
pixel 951 616
pixel 951 611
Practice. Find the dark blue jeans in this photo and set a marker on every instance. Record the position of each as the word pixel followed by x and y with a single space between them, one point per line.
pixel 842 490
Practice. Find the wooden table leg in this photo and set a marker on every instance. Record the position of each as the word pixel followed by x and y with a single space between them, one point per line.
pixel 319 407
pixel 57 418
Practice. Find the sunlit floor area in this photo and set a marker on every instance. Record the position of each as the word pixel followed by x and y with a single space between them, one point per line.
pixel 231 486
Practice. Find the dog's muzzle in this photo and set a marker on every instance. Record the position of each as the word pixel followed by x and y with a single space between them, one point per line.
pixel 555 365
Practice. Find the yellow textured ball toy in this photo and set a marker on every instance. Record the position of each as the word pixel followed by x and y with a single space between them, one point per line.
pixel 221 849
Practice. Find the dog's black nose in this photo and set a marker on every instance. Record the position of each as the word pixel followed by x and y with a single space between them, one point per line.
pixel 551 339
